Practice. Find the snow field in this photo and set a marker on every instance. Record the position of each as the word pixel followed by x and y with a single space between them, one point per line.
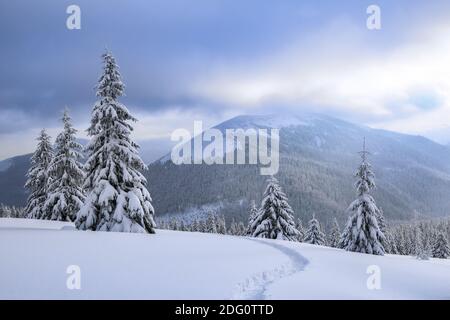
pixel 190 265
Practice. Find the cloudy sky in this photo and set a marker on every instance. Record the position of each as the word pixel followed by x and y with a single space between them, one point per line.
pixel 186 60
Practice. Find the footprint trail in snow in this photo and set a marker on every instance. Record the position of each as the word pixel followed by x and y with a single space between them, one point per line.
pixel 255 287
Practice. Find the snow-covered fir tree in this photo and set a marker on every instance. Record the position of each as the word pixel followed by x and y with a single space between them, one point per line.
pixel 10 211
pixel 242 230
pixel 335 234
pixel 194 226
pixel 381 221
pixel 234 229
pixel 391 243
pixel 5 211
pixel 422 252
pixel 221 225
pixel 428 240
pixel 38 177
pixel 400 243
pixel 253 213
pixel 211 224
pixel 410 242
pixel 441 248
pixel 173 224
pixel 202 226
pixel 301 230
pixel 362 233
pixel 314 234
pixel 116 199
pixel 65 192
pixel 275 217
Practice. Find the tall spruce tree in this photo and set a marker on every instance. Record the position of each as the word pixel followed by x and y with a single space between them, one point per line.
pixel 117 199
pixel 65 194
pixel 275 218
pixel 362 233
pixel 38 177
pixel 314 234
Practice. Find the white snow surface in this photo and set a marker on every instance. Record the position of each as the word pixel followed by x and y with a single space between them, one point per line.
pixel 185 265
pixel 15 223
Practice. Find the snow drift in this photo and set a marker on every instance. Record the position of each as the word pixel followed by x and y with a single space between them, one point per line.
pixel 184 265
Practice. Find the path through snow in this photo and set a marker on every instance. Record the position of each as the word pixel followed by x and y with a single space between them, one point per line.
pixel 255 287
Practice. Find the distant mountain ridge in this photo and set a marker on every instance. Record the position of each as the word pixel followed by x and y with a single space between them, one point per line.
pixel 318 156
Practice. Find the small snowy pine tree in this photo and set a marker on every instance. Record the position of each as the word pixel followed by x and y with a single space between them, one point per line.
pixel 65 193
pixel 253 212
pixel 221 225
pixel 194 226
pixel 441 248
pixel 202 227
pixel 422 252
pixel 117 199
pixel 5 211
pixel 241 229
pixel 301 231
pixel 313 234
pixel 38 177
pixel 275 218
pixel 362 233
pixel 211 223
pixel 390 243
pixel 335 234
pixel 234 231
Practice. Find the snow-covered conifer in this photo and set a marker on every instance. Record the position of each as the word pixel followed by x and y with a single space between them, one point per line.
pixel 335 234
pixel 400 243
pixel 116 199
pixel 38 177
pixel 211 224
pixel 441 248
pixel 194 226
pixel 233 228
pixel 421 251
pixel 202 227
pixel 5 211
pixel 362 233
pixel 253 212
pixel 174 224
pixel 65 193
pixel 221 225
pixel 275 217
pixel 301 230
pixel 241 229
pixel 390 243
pixel 314 234
pixel 381 221
pixel 410 242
